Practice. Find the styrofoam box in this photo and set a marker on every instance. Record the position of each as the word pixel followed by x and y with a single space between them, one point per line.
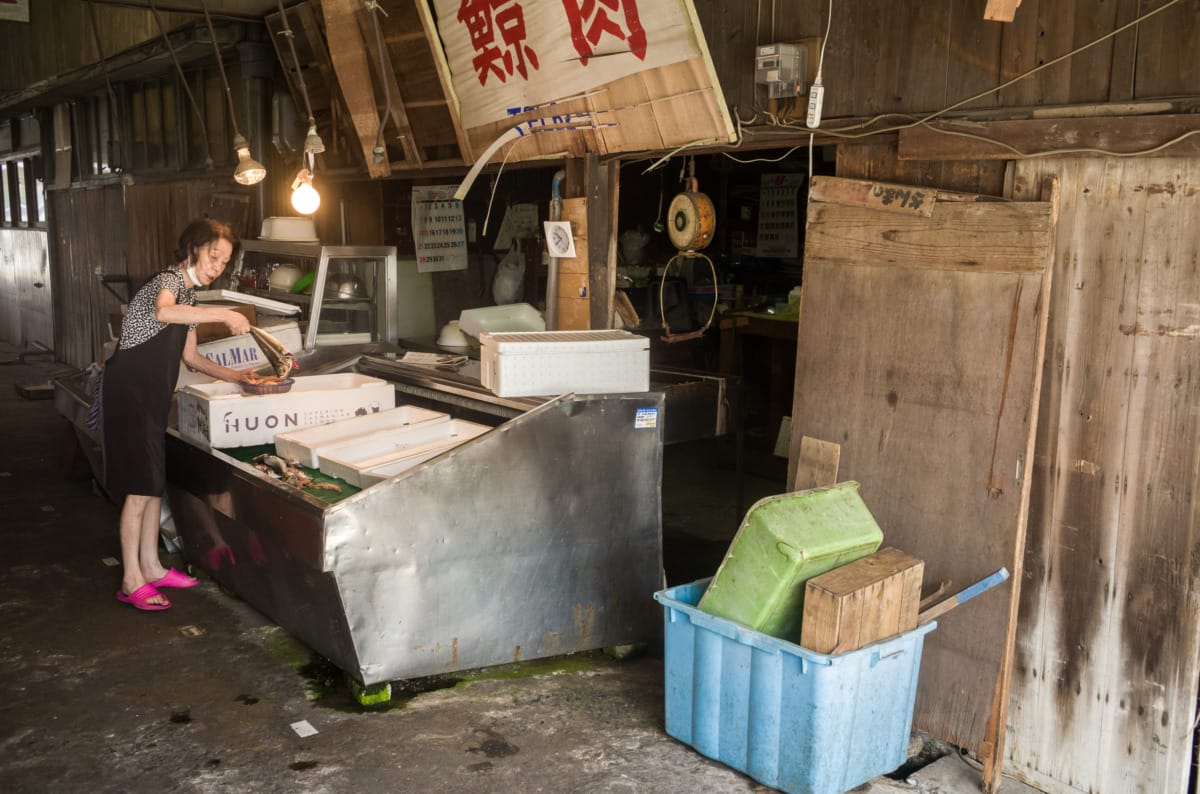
pixel 221 415
pixel 557 362
pixel 306 445
pixel 395 448
pixel 791 718
pixel 239 352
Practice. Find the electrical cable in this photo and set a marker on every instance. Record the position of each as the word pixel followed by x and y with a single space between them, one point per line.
pixel 112 96
pixel 844 132
pixel 496 183
pixel 937 113
pixel 380 153
pixel 221 65
pixel 187 88
pixel 290 36
pixel 1057 152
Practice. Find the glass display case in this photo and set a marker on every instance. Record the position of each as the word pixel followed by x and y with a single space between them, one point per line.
pixel 346 293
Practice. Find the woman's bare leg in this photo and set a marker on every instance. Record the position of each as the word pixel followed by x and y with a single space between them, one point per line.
pixel 152 567
pixel 133 513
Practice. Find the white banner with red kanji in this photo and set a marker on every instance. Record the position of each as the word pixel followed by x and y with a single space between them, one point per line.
pixel 510 54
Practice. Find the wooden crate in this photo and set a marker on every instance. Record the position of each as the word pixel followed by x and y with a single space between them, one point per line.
pixel 868 600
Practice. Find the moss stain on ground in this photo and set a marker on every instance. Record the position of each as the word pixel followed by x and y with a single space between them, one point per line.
pixel 329 686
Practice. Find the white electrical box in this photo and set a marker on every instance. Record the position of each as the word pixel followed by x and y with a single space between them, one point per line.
pixel 781 68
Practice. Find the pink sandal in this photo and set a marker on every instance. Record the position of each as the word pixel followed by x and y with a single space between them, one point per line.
pixel 175 578
pixel 140 599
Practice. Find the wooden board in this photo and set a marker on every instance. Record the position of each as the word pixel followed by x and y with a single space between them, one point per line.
pixel 1034 136
pixel 926 376
pixel 1104 693
pixel 817 466
pixel 868 600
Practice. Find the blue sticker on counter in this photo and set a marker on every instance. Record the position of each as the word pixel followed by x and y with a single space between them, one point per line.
pixel 646 417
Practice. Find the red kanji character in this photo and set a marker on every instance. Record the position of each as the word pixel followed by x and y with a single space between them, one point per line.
pixel 594 14
pixel 483 19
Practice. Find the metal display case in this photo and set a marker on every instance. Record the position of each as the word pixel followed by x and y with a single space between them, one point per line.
pixel 346 293
pixel 540 537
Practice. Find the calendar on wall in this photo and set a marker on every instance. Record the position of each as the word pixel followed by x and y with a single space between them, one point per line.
pixel 779 215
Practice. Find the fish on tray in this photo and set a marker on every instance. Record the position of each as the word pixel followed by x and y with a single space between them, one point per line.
pixel 289 473
pixel 278 356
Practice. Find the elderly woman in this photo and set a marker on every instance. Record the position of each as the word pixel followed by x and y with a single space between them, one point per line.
pixel 136 390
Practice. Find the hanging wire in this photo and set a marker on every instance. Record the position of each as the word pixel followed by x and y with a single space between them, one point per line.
pixel 112 96
pixel 379 152
pixel 187 89
pixel 290 36
pixel 221 65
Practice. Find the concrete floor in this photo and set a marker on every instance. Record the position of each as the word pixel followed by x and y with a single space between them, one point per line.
pixel 98 697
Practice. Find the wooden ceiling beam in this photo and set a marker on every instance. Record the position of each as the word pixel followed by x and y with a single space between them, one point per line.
pixel 348 52
pixel 1001 10
pixel 382 63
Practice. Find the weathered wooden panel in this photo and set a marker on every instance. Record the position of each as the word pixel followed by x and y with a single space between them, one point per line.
pixel 904 56
pixel 972 140
pixel 1104 696
pixel 926 378
pixel 879 161
pixel 88 239
pixel 1003 237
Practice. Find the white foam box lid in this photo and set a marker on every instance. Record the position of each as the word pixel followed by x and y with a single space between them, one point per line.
pixel 221 415
pixel 414 444
pixel 306 445
pixel 239 352
pixel 557 362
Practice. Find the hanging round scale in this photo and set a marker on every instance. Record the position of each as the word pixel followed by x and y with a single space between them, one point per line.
pixel 691 219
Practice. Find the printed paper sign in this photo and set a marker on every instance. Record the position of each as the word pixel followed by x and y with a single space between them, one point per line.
pixel 507 54
pixel 439 230
pixel 519 221
pixel 645 418
pixel 778 215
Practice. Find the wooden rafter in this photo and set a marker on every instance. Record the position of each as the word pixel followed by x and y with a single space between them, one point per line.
pixel 353 75
pixel 1001 10
pixel 382 63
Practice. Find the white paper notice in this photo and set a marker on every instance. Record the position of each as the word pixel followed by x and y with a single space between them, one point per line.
pixel 439 231
pixel 778 215
pixel 520 220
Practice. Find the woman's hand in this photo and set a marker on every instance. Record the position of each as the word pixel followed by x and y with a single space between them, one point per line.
pixel 237 323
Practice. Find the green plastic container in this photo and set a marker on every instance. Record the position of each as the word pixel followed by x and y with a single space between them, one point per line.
pixel 783 542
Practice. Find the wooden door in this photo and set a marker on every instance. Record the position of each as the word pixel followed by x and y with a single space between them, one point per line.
pixel 919 355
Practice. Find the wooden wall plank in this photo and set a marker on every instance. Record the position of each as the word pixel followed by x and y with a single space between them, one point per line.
pixel 1033 136
pixel 1104 695
pixel 879 160
pixel 916 370
pixel 1003 237
pixel 1166 52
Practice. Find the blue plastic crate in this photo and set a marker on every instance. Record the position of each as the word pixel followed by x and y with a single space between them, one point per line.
pixel 786 716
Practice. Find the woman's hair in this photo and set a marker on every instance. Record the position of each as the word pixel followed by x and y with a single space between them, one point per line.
pixel 200 233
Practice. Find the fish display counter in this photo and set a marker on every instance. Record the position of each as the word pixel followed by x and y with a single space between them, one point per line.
pixel 507 529
pixel 537 535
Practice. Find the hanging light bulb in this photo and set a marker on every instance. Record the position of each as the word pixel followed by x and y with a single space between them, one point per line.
pixel 249 171
pixel 305 198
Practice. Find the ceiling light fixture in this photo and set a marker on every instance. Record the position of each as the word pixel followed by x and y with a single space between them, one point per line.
pixel 249 171
pixel 305 198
